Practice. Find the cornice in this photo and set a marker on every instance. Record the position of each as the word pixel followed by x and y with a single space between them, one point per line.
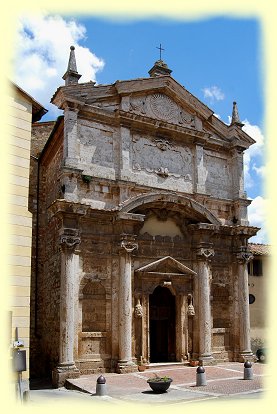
pixel 142 122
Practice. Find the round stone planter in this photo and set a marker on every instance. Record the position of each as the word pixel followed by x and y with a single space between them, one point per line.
pixel 159 386
pixel 193 363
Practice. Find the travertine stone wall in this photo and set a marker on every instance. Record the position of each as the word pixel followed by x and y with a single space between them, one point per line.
pixel 145 164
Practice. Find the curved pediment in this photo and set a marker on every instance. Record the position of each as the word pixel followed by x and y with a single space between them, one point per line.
pixel 183 204
pixel 167 266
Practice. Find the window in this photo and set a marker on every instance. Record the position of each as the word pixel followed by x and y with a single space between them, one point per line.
pixel 251 299
pixel 255 267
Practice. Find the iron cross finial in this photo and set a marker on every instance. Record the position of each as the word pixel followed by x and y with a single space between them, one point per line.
pixel 160 49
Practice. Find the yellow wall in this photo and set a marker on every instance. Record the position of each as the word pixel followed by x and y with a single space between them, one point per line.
pixel 19 218
pixel 258 310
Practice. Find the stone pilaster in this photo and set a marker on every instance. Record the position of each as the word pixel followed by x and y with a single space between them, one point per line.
pixel 181 328
pixel 69 262
pixel 125 363
pixel 237 173
pixel 71 152
pixel 201 172
pixel 204 304
pixel 243 258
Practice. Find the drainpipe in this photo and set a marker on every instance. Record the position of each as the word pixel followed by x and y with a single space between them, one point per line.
pixel 36 246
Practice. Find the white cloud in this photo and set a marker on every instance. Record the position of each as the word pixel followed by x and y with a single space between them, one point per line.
pixel 42 50
pixel 257 213
pixel 213 93
pixel 255 151
pixel 260 170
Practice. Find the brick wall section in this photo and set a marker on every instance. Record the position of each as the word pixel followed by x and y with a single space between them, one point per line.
pixel 40 134
pixel 45 259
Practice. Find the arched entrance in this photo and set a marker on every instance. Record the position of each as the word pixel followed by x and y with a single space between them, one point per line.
pixel 162 318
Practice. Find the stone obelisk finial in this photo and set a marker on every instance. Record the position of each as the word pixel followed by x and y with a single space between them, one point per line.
pixel 235 116
pixel 71 76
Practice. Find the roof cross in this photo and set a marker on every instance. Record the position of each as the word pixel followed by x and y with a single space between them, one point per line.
pixel 160 49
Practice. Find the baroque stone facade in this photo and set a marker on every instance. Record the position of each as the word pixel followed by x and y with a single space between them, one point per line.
pixel 142 230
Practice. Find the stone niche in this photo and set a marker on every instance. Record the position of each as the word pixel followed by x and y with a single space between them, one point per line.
pixel 93 336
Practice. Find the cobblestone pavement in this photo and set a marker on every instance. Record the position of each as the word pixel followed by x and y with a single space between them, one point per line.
pixel 224 381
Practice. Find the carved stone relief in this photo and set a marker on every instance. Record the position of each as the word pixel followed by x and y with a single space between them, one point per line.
pixel 191 310
pixel 69 242
pixel 128 245
pixel 138 310
pixel 244 257
pixel 162 107
pixel 205 253
pixel 161 157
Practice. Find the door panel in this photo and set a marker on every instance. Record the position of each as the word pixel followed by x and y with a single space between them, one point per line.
pixel 162 325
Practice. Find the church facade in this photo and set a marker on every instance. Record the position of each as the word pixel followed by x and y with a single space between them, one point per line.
pixel 142 241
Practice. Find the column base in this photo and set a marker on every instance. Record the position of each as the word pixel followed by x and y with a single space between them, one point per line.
pixel 126 367
pixel 207 360
pixel 246 356
pixel 62 372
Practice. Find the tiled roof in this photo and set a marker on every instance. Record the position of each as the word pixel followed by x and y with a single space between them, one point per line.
pixel 259 249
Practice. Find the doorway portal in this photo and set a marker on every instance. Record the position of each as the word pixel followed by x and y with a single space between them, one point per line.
pixel 162 325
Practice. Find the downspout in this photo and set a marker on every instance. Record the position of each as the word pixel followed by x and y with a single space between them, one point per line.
pixel 36 245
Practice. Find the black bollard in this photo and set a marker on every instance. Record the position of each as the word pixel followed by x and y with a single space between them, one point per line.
pixel 101 388
pixel 248 371
pixel 200 376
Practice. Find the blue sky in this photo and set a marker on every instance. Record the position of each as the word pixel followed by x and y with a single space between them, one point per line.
pixel 223 52
pixel 219 60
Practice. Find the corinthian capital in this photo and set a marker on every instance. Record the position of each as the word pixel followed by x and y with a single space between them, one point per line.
pixel 129 246
pixel 205 253
pixel 244 257
pixel 69 242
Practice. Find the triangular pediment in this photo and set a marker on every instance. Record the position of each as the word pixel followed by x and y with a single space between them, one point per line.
pixel 159 101
pixel 161 107
pixel 166 265
pixel 166 86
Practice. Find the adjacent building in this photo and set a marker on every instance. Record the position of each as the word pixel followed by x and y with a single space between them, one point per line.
pixel 142 233
pixel 258 293
pixel 23 111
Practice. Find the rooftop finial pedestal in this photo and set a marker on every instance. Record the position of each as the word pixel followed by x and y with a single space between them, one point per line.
pixel 71 76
